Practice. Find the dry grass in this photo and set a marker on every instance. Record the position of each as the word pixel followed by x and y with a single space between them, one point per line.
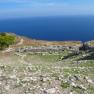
pixel 33 42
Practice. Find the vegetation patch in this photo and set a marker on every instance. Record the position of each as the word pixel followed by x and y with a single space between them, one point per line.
pixel 65 84
pixel 6 40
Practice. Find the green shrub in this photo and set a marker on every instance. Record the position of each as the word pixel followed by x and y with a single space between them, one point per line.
pixel 65 84
pixel 6 40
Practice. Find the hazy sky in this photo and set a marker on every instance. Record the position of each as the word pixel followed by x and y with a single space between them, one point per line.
pixel 28 8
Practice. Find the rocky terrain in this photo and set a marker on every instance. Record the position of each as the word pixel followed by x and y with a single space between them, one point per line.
pixel 60 72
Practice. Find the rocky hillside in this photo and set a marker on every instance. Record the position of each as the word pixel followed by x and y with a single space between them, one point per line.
pixel 62 72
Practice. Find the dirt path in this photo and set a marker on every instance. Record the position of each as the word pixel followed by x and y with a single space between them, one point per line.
pixel 21 42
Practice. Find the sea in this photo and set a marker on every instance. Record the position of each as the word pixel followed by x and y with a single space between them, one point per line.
pixel 54 28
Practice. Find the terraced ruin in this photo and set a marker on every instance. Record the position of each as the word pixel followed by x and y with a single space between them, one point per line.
pixel 27 68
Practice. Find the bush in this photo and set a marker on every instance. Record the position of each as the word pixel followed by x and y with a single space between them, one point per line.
pixel 6 40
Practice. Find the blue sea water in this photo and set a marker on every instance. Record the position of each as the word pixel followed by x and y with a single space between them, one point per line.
pixel 52 28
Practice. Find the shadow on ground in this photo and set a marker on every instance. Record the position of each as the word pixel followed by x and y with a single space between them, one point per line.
pixel 89 57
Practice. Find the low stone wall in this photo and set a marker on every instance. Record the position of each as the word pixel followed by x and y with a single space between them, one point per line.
pixel 47 48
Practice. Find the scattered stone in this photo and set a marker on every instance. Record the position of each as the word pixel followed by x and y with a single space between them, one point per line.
pixel 51 91
pixel 73 84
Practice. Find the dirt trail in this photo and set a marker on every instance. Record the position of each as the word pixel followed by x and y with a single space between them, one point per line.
pixel 21 42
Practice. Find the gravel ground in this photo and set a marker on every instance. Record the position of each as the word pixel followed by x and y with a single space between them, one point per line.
pixel 35 75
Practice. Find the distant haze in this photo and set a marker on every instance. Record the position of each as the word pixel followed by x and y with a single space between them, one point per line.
pixel 32 8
